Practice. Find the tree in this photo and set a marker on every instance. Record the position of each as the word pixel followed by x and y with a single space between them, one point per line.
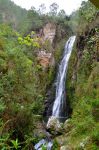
pixel 42 9
pixel 62 13
pixel 53 9
pixel 87 11
pixel 95 2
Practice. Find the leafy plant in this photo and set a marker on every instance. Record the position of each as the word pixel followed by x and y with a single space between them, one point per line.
pixel 16 144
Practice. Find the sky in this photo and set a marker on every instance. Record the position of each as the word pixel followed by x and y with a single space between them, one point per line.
pixel 68 5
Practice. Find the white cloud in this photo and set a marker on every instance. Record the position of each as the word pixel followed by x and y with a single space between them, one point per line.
pixel 67 5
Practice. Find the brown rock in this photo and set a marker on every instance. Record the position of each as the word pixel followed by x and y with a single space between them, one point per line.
pixel 45 59
pixel 48 32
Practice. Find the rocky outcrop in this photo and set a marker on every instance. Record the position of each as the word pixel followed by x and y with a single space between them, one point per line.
pixel 45 55
pixel 45 59
pixel 65 148
pixel 48 32
pixel 54 125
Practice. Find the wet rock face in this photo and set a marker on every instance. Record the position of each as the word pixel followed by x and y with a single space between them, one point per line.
pixel 48 32
pixel 50 97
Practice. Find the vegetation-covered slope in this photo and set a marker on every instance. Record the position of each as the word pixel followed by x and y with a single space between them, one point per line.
pixel 83 85
pixel 24 82
pixel 84 93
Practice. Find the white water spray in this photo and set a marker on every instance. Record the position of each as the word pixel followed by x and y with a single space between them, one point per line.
pixel 61 79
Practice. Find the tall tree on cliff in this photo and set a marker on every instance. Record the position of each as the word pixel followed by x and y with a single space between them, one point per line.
pixel 53 9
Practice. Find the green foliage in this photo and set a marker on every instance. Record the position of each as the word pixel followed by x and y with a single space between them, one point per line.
pixel 83 81
pixel 81 18
pixel 11 14
pixel 28 41
pixel 23 86
pixel 23 82
pixel 87 11
pixel 55 145
pixel 44 147
pixel 3 142
pixel 24 21
pixel 2 106
pixel 21 92
pixel 15 144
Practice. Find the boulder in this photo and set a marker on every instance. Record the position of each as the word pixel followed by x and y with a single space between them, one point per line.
pixel 65 148
pixel 54 126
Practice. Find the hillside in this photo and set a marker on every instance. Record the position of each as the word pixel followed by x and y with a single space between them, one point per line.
pixel 11 14
pixel 31 48
pixel 83 91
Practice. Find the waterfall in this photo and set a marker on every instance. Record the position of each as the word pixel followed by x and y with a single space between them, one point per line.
pixel 60 101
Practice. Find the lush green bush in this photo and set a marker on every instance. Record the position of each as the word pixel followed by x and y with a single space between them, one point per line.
pixel 23 85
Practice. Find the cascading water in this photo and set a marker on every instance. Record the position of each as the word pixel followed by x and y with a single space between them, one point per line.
pixel 60 101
